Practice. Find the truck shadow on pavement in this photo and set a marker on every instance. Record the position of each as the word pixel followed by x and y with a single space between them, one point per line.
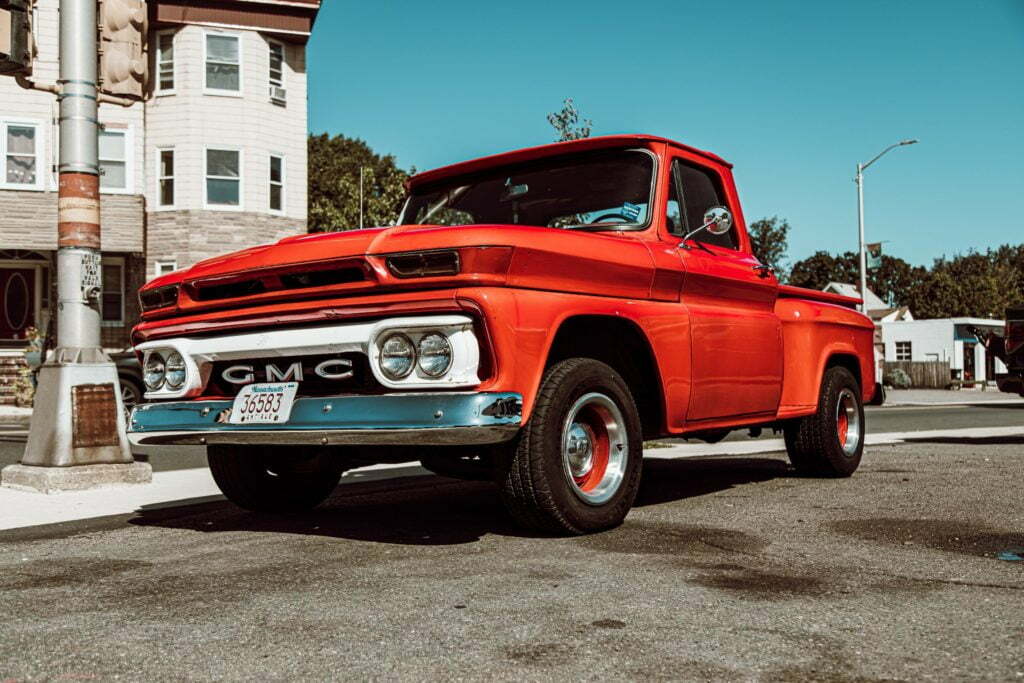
pixel 1011 440
pixel 434 510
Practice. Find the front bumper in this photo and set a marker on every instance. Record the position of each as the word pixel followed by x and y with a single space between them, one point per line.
pixel 426 419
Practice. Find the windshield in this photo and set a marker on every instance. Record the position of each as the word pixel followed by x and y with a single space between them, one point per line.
pixel 608 190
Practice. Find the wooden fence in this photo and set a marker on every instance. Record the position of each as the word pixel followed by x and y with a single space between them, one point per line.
pixel 925 374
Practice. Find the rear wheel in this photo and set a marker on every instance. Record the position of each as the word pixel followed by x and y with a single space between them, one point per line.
pixel 575 467
pixel 830 443
pixel 274 479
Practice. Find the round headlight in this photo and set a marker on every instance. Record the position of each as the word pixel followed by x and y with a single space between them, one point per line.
pixel 397 356
pixel 175 370
pixel 153 373
pixel 435 354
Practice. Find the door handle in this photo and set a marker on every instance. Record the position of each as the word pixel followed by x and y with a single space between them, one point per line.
pixel 764 270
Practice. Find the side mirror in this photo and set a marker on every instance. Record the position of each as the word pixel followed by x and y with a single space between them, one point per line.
pixel 717 221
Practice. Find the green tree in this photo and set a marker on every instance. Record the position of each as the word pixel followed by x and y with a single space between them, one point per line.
pixel 769 239
pixel 334 165
pixel 567 122
pixel 821 268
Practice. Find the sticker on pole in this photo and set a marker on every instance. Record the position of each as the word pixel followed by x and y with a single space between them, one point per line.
pixel 269 403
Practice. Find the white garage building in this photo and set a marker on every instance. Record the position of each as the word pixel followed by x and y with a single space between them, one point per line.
pixel 944 339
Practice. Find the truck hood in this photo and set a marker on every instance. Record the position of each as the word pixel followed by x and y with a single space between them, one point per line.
pixel 360 262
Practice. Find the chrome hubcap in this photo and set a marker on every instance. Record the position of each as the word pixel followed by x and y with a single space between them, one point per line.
pixel 848 426
pixel 595 448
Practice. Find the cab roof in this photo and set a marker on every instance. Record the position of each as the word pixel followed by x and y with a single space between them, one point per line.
pixel 553 149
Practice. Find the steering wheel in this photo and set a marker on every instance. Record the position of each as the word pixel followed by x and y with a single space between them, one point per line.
pixel 617 217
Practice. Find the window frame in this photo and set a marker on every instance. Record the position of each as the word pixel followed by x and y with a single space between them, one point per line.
pixel 903 346
pixel 157 90
pixel 41 171
pixel 129 166
pixel 207 90
pixel 159 263
pixel 119 263
pixel 270 182
pixel 159 178
pixel 723 195
pixel 241 178
pixel 271 44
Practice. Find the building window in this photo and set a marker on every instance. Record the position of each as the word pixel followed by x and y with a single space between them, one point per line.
pixel 223 177
pixel 113 160
pixel 164 267
pixel 903 351
pixel 276 183
pixel 278 93
pixel 165 62
pixel 20 149
pixel 223 63
pixel 113 291
pixel 165 177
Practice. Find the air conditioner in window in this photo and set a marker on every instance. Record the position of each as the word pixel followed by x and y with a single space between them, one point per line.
pixel 278 94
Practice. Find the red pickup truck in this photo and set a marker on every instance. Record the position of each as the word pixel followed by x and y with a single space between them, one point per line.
pixel 533 318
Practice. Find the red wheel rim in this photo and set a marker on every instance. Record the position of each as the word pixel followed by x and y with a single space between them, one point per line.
pixel 595 448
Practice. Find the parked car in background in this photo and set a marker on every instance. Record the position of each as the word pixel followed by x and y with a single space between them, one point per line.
pixel 1009 348
pixel 534 317
pixel 129 374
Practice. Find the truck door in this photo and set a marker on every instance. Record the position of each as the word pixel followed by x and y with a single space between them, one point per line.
pixel 736 338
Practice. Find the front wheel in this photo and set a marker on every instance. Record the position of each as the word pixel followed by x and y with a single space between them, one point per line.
pixel 575 467
pixel 274 479
pixel 830 442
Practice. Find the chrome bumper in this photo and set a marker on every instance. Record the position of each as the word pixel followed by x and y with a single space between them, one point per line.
pixel 428 419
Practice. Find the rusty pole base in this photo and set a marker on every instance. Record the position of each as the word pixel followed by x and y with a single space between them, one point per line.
pixel 78 425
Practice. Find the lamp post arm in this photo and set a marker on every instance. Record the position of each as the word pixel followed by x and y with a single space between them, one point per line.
pixel 879 155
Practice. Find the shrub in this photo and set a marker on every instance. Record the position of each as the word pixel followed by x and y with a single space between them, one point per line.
pixel 897 379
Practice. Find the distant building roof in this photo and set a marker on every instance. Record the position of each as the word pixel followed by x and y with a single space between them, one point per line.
pixel 873 303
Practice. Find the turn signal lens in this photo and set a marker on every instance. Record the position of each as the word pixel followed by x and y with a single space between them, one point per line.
pixel 158 297
pixel 435 354
pixel 397 356
pixel 175 370
pixel 424 264
pixel 154 371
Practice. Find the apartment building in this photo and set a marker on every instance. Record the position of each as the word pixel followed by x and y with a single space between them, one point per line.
pixel 214 160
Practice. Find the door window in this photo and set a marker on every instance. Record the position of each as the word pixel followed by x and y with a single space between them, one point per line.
pixel 701 189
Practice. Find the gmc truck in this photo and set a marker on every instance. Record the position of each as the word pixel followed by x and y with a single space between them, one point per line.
pixel 532 319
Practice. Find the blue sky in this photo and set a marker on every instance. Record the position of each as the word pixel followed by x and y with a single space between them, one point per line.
pixel 793 93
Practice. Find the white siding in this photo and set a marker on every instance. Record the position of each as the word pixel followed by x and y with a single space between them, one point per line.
pixel 190 120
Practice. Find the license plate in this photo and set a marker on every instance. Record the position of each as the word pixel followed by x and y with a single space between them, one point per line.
pixel 269 403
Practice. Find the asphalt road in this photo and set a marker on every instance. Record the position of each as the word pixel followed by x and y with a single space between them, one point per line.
pixel 727 569
pixel 879 420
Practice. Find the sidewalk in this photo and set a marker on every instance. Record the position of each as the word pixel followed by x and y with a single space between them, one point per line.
pixel 10 416
pixel 942 397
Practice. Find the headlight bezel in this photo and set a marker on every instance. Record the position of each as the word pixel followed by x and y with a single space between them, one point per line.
pixel 420 355
pixel 181 366
pixel 151 357
pixel 387 337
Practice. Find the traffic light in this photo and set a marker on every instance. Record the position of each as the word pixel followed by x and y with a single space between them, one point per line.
pixel 15 37
pixel 123 63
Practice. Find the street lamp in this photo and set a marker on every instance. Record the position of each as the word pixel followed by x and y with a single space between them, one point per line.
pixel 860 218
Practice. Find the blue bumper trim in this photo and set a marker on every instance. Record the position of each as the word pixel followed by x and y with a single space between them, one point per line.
pixel 394 419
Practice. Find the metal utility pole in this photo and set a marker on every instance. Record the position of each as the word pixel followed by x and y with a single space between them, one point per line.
pixel 360 197
pixel 859 179
pixel 77 435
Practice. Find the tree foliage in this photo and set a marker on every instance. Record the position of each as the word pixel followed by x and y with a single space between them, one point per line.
pixel 974 284
pixel 768 238
pixel 334 165
pixel 567 123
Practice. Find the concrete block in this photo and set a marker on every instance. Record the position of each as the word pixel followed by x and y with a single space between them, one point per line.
pixel 74 478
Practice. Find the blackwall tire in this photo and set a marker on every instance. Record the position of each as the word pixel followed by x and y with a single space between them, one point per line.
pixel 574 468
pixel 266 479
pixel 830 442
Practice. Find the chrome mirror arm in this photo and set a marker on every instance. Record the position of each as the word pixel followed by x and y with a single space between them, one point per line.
pixel 683 244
